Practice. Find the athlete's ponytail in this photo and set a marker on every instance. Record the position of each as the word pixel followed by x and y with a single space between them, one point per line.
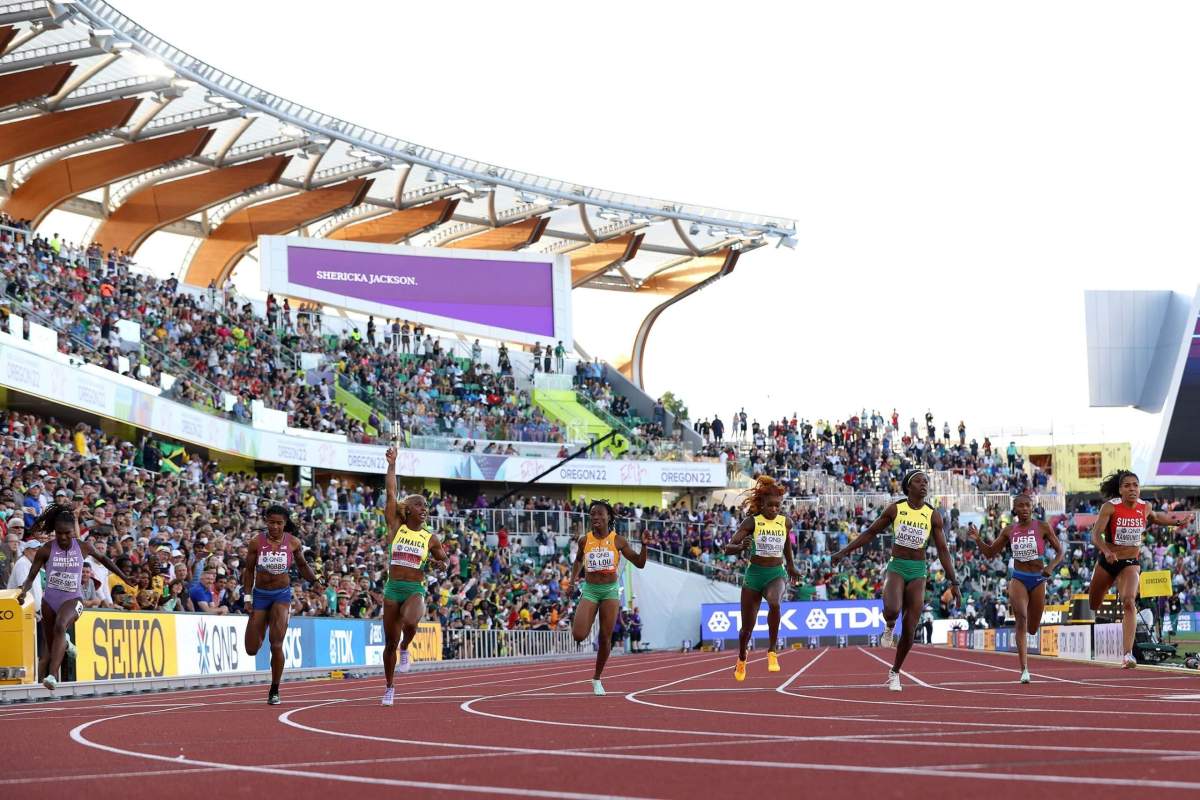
pixel 756 496
pixel 1110 487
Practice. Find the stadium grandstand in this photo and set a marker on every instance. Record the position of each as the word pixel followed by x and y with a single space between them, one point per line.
pixel 174 411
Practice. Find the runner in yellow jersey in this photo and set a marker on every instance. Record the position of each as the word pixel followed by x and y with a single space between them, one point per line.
pixel 410 547
pixel 913 522
pixel 599 559
pixel 764 535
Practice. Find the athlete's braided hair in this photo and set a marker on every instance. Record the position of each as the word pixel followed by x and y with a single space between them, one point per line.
pixel 612 515
pixel 1110 487
pixel 756 496
pixel 49 518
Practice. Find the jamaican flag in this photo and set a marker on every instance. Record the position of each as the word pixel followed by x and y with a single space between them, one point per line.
pixel 173 458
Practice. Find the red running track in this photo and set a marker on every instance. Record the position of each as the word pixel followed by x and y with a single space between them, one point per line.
pixel 672 725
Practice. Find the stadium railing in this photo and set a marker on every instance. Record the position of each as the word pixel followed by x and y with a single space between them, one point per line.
pixel 475 643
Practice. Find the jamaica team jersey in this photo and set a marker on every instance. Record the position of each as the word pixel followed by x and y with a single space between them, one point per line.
pixel 913 525
pixel 769 536
pixel 600 555
pixel 410 548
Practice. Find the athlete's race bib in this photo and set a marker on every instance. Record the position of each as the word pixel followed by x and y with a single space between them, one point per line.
pixel 63 581
pixel 406 554
pixel 1024 547
pixel 273 561
pixel 768 544
pixel 911 536
pixel 1129 535
pixel 600 560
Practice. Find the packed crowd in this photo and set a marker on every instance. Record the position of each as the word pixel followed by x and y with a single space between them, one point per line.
pixel 182 536
pixel 223 355
pixel 870 452
pixel 699 534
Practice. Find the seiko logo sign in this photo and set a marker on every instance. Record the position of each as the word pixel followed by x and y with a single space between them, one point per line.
pixel 6 614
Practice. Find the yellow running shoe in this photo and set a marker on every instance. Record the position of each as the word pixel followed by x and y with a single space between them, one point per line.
pixel 739 672
pixel 772 661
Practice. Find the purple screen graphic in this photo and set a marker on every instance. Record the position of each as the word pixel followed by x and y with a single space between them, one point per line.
pixel 1181 447
pixel 517 295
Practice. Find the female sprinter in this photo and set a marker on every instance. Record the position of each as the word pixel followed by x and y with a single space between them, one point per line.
pixel 1028 539
pixel 1118 534
pixel 404 592
pixel 764 532
pixel 268 588
pixel 63 558
pixel 599 558
pixel 913 521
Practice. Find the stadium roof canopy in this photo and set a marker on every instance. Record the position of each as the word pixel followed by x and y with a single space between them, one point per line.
pixel 100 117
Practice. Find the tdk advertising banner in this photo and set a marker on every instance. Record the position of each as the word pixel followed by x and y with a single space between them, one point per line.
pixel 820 618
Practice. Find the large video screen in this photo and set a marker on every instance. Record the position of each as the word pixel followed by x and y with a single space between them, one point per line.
pixel 1179 458
pixel 500 295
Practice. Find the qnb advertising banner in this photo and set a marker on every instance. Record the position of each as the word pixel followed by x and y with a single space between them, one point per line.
pixel 516 296
pixel 828 618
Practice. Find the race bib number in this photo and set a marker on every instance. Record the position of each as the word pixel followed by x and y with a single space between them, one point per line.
pixel 600 560
pixel 407 554
pixel 911 536
pixel 1129 535
pixel 63 581
pixel 274 562
pixel 1024 548
pixel 768 544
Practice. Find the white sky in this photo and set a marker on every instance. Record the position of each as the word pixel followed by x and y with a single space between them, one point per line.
pixel 960 172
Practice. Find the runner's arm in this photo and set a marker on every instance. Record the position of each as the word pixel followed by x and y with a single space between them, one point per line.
pixel 739 542
pixel 302 566
pixel 1098 529
pixel 939 541
pixel 39 561
pixel 391 510
pixel 249 567
pixel 993 548
pixel 636 557
pixel 882 521
pixel 105 561
pixel 788 557
pixel 1052 539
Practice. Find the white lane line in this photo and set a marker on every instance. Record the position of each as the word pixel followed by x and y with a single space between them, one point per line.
pixel 1028 696
pixel 908 675
pixel 786 765
pixel 918 771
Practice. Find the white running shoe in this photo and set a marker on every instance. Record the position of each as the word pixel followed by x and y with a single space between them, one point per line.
pixel 50 682
pixel 888 639
pixel 388 695
pixel 1130 662
pixel 403 665
pixel 597 688
pixel 1024 676
pixel 893 681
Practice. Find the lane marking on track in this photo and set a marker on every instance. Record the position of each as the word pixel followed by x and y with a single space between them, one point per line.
pixel 77 735
pixel 1026 695
pixel 922 727
pixel 908 675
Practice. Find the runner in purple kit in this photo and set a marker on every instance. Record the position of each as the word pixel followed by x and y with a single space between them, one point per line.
pixel 1028 539
pixel 267 583
pixel 63 558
